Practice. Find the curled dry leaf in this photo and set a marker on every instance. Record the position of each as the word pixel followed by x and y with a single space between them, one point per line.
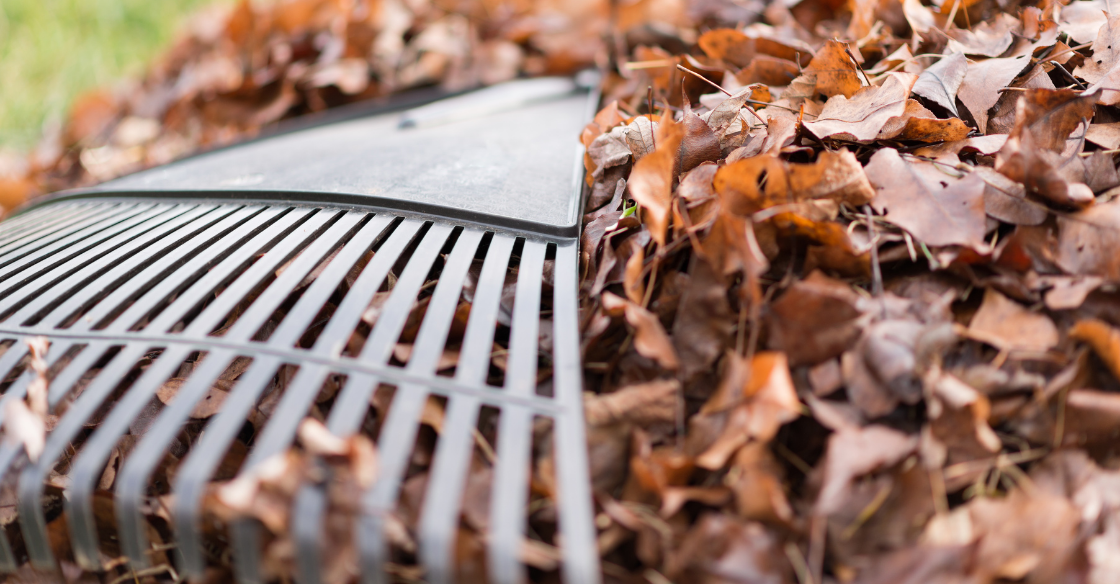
pixel 941 81
pixel 728 111
pixel 917 124
pixel 986 39
pixel 835 176
pixel 37 388
pixel 642 405
pixel 862 117
pixel 983 82
pixel 1104 339
pixel 24 427
pixel 651 181
pixel 649 336
pixel 831 72
pixel 880 371
pixel 699 143
pixel 1102 70
pixel 754 399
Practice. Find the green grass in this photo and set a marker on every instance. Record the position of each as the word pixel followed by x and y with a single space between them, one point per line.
pixel 53 50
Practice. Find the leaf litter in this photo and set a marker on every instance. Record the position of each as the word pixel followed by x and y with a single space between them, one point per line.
pixel 848 278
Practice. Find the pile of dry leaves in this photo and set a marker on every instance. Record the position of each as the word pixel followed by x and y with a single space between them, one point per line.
pixel 849 289
pixel 237 71
pixel 881 271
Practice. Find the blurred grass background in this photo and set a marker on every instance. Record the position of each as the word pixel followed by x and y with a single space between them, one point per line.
pixel 52 50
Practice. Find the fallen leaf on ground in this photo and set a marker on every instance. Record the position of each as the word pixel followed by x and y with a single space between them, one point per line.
pixel 862 117
pixel 1011 326
pixel 920 199
pixel 942 80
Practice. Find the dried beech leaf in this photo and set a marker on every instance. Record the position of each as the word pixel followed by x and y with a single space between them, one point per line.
pixel 1088 240
pixel 642 405
pixel 941 81
pixel 699 143
pixel 863 116
pixel 855 452
pixel 983 82
pixel 650 338
pixel 1104 339
pixel 814 320
pixel 728 111
pixel 831 72
pixel 933 210
pixel 651 181
pixel 1008 325
pixel 1102 70
pixel 986 39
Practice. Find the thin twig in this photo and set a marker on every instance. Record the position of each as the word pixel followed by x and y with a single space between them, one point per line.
pixel 704 79
pixel 1069 50
pixel 876 271
pixel 634 65
pixel 953 15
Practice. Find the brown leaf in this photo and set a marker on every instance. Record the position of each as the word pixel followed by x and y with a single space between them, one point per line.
pixel 1088 240
pixel 768 70
pixel 855 452
pixel 717 546
pixel 1104 340
pixel 703 322
pixel 651 181
pixel 920 17
pixel 37 389
pixel 699 143
pixel 862 117
pixel 918 124
pixel 1091 418
pixel 24 427
pixel 831 72
pixel 1006 200
pixel 958 420
pixel 759 492
pixel 643 405
pixel 1104 135
pixel 880 370
pixel 914 196
pixel 650 339
pixel 834 176
pixel 729 45
pixel 982 82
pixel 941 81
pixel 208 406
pixel 728 111
pixel 1069 292
pixel 609 150
pixel 1051 115
pixel 1007 325
pixel 814 320
pixel 948 152
pixel 1025 534
pixel 985 39
pixel 1102 70
pixel 1082 21
pixel 731 247
pixel 1041 171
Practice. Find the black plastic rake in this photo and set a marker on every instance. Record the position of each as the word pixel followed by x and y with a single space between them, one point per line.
pixel 188 263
